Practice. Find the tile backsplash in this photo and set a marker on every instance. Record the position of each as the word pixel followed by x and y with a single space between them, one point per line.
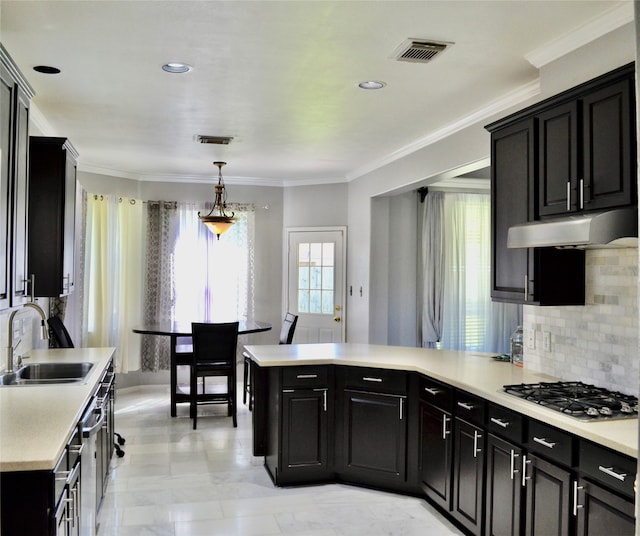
pixel 598 342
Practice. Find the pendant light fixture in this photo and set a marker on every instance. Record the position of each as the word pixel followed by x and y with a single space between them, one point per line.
pixel 217 221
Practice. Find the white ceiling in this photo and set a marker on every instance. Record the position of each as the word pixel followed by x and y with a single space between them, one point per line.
pixel 280 77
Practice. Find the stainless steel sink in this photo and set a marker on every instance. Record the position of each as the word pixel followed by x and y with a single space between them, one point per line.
pixel 47 373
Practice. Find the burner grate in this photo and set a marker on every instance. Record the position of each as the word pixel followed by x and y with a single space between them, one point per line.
pixel 577 399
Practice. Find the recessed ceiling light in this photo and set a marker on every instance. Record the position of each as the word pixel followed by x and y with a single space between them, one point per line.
pixel 46 69
pixel 371 84
pixel 176 67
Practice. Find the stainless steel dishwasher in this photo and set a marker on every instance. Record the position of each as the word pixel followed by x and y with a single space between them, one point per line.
pixel 91 423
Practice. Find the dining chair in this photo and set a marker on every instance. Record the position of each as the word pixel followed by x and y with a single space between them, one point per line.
pixel 214 354
pixel 63 340
pixel 286 337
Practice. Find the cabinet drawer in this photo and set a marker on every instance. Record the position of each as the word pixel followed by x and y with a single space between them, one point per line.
pixel 309 376
pixel 614 470
pixel 506 423
pixel 551 443
pixel 470 408
pixel 377 380
pixel 436 393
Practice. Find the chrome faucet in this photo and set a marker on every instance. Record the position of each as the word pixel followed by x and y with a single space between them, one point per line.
pixel 11 345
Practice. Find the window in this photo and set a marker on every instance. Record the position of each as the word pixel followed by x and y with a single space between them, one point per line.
pixel 316 263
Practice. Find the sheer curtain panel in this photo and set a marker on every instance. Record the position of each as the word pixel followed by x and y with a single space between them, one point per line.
pixel 432 269
pixel 112 279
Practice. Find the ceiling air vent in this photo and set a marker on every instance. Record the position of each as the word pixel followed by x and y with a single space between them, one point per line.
pixel 419 51
pixel 216 140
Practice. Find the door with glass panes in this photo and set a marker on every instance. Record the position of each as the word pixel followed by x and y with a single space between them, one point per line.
pixel 316 284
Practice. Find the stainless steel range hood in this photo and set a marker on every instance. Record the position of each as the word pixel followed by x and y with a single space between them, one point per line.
pixel 611 228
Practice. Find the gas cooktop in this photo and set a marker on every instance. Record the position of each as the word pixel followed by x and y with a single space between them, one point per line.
pixel 576 399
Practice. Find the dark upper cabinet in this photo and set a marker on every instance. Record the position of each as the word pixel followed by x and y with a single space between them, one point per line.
pixel 586 152
pixel 52 192
pixel 557 190
pixel 15 94
pixel 544 276
pixel 574 152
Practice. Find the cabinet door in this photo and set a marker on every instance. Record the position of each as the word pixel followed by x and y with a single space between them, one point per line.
pixel 468 476
pixel 600 512
pixel 512 188
pixel 375 435
pixel 503 488
pixel 304 433
pixel 20 239
pixel 435 454
pixel 608 147
pixel 558 160
pixel 69 227
pixel 6 130
pixel 547 496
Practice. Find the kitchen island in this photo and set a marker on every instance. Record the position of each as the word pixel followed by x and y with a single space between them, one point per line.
pixel 438 424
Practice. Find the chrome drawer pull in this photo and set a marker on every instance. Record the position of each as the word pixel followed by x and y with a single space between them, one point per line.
pixel 467 406
pixel 371 379
pixel 432 391
pixel 445 432
pixel 513 469
pixel 543 441
pixel 306 376
pixel 499 422
pixel 609 471
pixel 576 505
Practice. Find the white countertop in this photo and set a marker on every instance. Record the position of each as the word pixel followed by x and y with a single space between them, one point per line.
pixel 36 420
pixel 474 372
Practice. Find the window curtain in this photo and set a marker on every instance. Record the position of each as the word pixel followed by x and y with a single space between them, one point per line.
pixel 112 279
pixel 193 276
pixel 432 269
pixel 161 233
pixel 470 320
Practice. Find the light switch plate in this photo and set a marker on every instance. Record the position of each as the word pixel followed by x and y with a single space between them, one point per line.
pixel 531 339
pixel 546 341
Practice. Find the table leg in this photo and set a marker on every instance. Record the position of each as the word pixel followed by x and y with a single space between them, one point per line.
pixel 174 374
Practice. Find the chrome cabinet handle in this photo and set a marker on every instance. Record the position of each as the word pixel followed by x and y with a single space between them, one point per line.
pixel 610 471
pixel 543 441
pixel 445 421
pixel 401 407
pixel 371 379
pixel 581 194
pixel 513 469
pixel 526 287
pixel 499 422
pixel 476 437
pixel 525 463
pixel 576 505
pixel 432 391
pixel 306 376
pixel 568 196
pixel 465 405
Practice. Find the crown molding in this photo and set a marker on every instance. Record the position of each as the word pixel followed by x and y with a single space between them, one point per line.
pixel 513 98
pixel 614 19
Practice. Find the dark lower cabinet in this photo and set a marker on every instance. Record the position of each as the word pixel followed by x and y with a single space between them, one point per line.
pixel 298 434
pixel 547 497
pixel 468 476
pixel 375 433
pixel 436 450
pixel 305 435
pixel 602 513
pixel 503 496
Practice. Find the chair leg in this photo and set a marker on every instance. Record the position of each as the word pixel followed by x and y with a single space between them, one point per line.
pixel 232 403
pixel 245 374
pixel 193 398
pixel 251 380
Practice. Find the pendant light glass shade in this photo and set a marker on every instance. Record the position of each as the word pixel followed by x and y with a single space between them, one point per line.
pixel 218 221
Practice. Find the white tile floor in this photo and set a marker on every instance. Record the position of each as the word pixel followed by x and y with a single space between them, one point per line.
pixel 176 481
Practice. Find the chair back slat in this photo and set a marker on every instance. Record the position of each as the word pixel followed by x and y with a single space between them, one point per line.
pixel 59 332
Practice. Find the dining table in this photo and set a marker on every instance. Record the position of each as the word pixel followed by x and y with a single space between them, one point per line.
pixel 182 349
